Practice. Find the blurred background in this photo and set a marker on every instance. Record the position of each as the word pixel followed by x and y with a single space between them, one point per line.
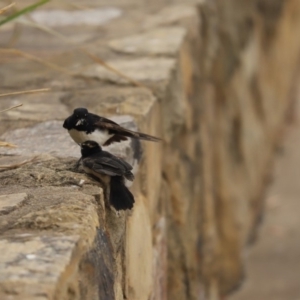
pixel 226 76
pixel 272 262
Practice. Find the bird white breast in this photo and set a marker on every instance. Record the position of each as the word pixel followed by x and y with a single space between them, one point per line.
pixel 98 136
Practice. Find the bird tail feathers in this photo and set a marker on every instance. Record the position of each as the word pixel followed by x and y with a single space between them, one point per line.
pixel 120 197
pixel 147 137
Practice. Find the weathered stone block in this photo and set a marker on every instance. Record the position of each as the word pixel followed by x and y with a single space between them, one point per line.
pixel 160 41
pixel 11 201
pixel 139 249
pixel 214 82
pixel 153 69
pixel 38 267
pixel 62 230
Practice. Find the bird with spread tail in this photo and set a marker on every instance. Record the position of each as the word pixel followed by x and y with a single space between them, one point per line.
pixel 84 126
pixel 106 167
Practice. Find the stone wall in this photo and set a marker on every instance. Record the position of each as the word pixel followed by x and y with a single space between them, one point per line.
pixel 213 79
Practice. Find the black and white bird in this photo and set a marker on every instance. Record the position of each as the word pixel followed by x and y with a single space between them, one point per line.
pixel 107 167
pixel 83 126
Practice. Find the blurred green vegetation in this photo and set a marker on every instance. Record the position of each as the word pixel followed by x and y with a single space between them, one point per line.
pixel 21 12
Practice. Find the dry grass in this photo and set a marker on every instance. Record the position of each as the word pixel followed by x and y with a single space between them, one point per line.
pixel 10 18
pixel 10 108
pixel 4 9
pixel 5 144
pixel 93 57
pixel 31 57
pixel 101 62
pixel 36 59
pixel 15 166
pixel 24 92
pixel 52 32
pixel 21 12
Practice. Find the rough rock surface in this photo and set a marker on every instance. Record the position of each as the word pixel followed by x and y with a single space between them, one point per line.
pixel 212 78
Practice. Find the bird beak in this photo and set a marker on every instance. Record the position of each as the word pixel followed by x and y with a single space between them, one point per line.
pixel 79 122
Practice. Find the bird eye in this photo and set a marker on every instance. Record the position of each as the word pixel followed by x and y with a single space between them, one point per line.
pixel 77 116
pixel 85 115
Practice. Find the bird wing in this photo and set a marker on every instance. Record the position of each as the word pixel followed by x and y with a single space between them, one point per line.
pixel 97 118
pixel 114 128
pixel 105 165
pixel 121 161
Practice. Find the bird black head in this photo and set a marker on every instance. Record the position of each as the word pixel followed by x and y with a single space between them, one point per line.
pixel 78 120
pixel 89 147
pixel 80 112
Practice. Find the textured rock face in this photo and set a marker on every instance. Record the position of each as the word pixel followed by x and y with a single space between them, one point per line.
pixel 253 75
pixel 214 80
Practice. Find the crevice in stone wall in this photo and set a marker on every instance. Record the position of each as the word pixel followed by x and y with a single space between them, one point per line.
pixel 98 267
pixel 257 98
pixel 270 11
pixel 235 143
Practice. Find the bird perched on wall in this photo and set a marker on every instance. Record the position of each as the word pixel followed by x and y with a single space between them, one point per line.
pixel 107 167
pixel 83 126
